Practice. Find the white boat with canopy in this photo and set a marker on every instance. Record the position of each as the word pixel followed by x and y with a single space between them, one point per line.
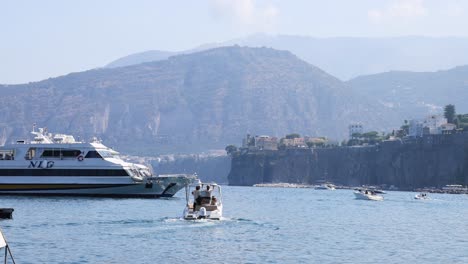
pixel 57 164
pixel 326 186
pixel 364 194
pixel 204 201
pixel 421 196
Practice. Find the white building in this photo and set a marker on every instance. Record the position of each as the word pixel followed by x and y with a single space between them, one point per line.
pixel 266 142
pixel 415 128
pixel 260 142
pixel 294 142
pixel 447 128
pixel 433 124
pixel 355 128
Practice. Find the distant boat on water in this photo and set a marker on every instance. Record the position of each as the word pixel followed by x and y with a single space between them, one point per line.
pixel 364 194
pixel 421 196
pixel 326 186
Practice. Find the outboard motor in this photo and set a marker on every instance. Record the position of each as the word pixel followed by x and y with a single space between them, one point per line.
pixel 202 213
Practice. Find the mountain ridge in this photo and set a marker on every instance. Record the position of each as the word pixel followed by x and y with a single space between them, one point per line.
pixel 416 94
pixel 191 102
pixel 364 56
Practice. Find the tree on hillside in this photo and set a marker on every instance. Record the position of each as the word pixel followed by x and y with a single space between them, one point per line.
pixel 461 121
pixel 293 135
pixel 404 129
pixel 449 113
pixel 230 149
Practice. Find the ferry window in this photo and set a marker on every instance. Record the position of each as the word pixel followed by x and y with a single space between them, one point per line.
pixel 7 155
pixel 30 154
pixel 67 153
pixel 51 153
pixel 92 154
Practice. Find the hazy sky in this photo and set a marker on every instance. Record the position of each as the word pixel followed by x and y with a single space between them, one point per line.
pixel 41 39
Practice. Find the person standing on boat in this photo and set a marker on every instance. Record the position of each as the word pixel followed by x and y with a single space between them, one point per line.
pixel 205 196
pixel 196 196
pixel 207 193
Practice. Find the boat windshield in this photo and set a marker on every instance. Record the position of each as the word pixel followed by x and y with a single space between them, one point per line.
pixel 209 195
pixel 108 154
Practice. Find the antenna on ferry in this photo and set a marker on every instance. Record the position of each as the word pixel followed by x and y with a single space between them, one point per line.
pixel 34 127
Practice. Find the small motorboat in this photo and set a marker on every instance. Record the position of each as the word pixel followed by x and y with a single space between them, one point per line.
pixel 367 195
pixel 206 203
pixel 6 213
pixel 421 196
pixel 325 186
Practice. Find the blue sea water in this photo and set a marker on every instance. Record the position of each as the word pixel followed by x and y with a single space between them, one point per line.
pixel 261 225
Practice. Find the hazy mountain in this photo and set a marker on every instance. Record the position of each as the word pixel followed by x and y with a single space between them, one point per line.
pixel 415 94
pixel 347 57
pixel 155 55
pixel 141 57
pixel 191 102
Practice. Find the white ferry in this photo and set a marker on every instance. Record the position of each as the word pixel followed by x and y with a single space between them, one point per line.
pixel 56 164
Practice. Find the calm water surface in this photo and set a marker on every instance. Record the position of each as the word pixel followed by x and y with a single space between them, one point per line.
pixel 262 225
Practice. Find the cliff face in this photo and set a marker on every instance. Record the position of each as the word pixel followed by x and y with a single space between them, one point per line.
pixel 430 161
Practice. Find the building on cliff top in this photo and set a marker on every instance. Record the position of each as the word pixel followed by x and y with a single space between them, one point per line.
pixel 356 128
pixel 294 142
pixel 260 143
pixel 431 125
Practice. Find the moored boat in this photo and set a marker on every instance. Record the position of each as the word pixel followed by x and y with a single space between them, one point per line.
pixel 6 213
pixel 57 164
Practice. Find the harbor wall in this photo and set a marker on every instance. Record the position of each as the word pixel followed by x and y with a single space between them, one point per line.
pixel 429 161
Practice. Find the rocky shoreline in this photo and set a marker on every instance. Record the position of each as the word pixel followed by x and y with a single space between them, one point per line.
pixel 430 162
pixel 463 190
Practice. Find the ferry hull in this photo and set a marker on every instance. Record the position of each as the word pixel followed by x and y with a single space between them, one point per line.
pixel 165 187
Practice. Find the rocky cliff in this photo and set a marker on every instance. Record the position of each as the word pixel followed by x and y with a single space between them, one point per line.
pixel 434 160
